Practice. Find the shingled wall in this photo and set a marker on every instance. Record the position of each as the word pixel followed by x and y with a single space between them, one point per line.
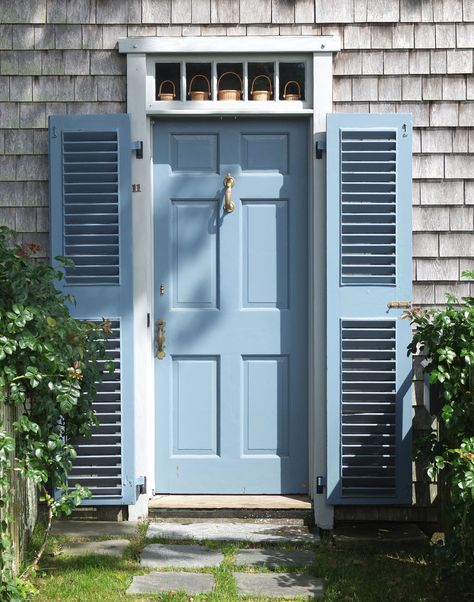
pixel 60 56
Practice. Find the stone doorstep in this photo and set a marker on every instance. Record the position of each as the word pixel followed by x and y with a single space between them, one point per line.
pixel 179 556
pixel 231 531
pixel 302 517
pixel 235 507
pixel 110 547
pixel 153 583
pixel 228 502
pixel 278 585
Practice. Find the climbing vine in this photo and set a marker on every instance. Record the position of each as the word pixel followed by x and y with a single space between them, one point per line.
pixel 49 366
pixel 445 336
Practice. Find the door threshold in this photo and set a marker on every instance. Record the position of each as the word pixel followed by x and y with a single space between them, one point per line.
pixel 230 502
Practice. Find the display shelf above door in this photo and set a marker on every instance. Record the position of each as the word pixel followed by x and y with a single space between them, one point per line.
pixel 230 83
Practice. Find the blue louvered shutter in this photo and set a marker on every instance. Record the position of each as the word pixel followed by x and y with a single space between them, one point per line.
pixel 369 265
pixel 91 222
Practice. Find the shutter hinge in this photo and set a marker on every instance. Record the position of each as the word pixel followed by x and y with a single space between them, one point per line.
pixel 140 484
pixel 319 147
pixel 137 146
pixel 320 484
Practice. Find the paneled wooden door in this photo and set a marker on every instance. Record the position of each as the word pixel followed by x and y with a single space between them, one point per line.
pixel 232 289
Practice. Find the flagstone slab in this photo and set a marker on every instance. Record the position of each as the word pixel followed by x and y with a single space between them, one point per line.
pixel 155 583
pixel 252 532
pixel 180 556
pixel 111 547
pixel 274 558
pixel 379 533
pixel 278 585
pixel 94 528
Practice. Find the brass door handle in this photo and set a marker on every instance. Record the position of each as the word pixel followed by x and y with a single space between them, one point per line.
pixel 228 202
pixel 160 339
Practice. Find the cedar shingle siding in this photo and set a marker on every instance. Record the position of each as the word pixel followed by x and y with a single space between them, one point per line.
pixel 59 56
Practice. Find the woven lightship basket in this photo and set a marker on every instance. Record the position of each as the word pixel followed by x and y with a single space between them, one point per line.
pixel 229 94
pixel 292 95
pixel 261 94
pixel 167 95
pixel 199 94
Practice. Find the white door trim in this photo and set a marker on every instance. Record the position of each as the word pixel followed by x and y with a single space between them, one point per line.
pixel 229 44
pixel 138 80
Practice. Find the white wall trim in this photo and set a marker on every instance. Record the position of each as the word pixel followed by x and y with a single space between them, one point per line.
pixel 142 273
pixel 322 94
pixel 225 45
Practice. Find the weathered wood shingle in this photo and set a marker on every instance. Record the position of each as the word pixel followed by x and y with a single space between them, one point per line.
pixel 60 56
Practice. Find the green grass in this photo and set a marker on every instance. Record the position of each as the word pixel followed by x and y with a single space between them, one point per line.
pixel 366 573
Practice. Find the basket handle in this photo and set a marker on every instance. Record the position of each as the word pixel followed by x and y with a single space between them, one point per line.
pixel 167 81
pixel 292 82
pixel 265 77
pixel 231 73
pixel 203 77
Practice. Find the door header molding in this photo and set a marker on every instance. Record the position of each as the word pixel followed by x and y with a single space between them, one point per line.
pixel 229 45
pixel 178 56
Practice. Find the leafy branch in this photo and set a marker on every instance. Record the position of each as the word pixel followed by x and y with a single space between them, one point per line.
pixel 50 364
pixel 445 336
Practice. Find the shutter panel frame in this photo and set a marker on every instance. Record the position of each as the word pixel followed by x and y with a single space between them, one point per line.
pixel 362 229
pixel 106 141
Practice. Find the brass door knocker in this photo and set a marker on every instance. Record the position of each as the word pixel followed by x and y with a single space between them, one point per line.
pixel 228 202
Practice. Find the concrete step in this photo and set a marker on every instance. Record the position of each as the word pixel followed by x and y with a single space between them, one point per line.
pixel 241 507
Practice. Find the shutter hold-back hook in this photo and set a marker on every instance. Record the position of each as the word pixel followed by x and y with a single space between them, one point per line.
pixel 228 202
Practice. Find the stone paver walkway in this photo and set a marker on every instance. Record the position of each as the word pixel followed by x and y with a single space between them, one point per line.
pixel 175 560
pixel 111 547
pixel 153 583
pixel 181 556
pixel 232 531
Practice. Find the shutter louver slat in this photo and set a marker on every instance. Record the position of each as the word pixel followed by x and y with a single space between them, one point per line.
pixel 98 471
pixel 367 158
pixel 90 167
pixel 369 423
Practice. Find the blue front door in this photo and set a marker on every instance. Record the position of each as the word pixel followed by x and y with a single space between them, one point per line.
pixel 231 299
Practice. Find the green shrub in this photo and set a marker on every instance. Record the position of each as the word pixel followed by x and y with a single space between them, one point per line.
pixel 49 367
pixel 445 336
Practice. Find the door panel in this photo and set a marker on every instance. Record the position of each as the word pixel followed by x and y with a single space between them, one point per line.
pixel 265 412
pixel 231 391
pixel 265 254
pixel 195 405
pixel 193 279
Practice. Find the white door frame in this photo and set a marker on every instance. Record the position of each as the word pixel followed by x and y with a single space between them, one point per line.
pixel 142 109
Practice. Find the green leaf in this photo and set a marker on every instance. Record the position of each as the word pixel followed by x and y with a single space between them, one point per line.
pixel 51 322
